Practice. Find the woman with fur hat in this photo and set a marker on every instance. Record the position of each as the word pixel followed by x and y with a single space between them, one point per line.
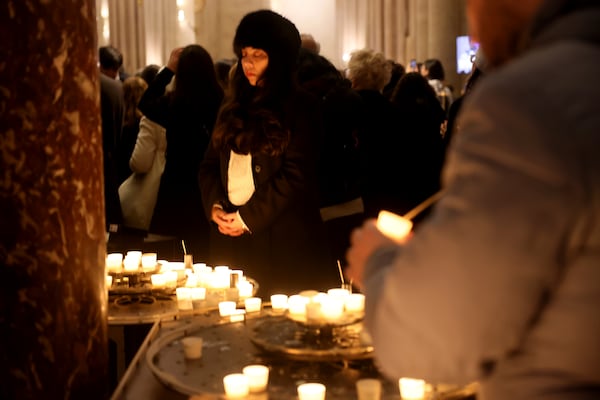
pixel 258 178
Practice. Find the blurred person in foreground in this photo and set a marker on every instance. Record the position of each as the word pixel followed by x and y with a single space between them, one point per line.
pixel 501 284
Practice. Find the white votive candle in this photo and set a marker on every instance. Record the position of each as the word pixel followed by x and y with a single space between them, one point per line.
pixel 297 305
pixel 131 264
pixel 332 308
pixel 148 261
pixel 393 226
pixel 253 304
pixel 237 315
pixel 355 303
pixel 170 279
pixel 184 298
pixel 109 281
pixel 192 346
pixel 114 262
pixel 236 385
pixel 279 302
pixel 158 280
pixel 245 288
pixel 411 389
pixel 258 377
pixel 368 389
pixel 311 391
pixel 226 308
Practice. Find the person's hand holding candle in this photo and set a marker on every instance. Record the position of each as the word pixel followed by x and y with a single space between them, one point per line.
pixel 387 229
pixel 363 241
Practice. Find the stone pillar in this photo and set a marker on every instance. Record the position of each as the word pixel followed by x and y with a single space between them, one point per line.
pixel 53 321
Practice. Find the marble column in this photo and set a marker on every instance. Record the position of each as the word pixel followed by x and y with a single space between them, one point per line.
pixel 53 322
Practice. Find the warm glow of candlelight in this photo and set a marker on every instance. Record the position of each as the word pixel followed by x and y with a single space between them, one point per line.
pixel 394 226
pixel 253 304
pixel 412 389
pixel 311 391
pixel 258 377
pixel 236 385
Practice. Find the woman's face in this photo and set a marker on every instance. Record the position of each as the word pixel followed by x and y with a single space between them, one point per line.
pixel 254 63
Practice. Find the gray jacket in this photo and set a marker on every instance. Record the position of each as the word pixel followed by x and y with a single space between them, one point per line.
pixel 502 284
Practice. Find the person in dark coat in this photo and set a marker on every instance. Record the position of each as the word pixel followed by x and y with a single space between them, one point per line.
pixel 258 178
pixel 188 113
pixel 111 106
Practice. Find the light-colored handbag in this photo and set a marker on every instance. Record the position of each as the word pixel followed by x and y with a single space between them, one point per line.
pixel 139 192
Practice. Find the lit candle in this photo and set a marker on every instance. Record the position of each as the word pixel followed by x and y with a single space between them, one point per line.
pixel 279 302
pixel 245 288
pixel 134 254
pixel 131 264
pixel 411 389
pixel 236 385
pixel 148 261
pixel 170 279
pixel 394 226
pixel 313 312
pixel 332 308
pixel 252 304
pixel 355 303
pixel 226 308
pixel 192 280
pixel 339 292
pixel 158 280
pixel 258 377
pixel 311 391
pixel 297 305
pixel 237 315
pixel 197 267
pixel 184 298
pixel 114 262
pixel 109 280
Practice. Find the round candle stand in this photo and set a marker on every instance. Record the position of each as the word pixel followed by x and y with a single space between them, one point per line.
pixel 294 353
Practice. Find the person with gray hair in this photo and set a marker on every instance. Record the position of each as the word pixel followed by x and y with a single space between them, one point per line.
pixel 368 70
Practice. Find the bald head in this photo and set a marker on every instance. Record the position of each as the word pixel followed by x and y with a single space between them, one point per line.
pixel 500 26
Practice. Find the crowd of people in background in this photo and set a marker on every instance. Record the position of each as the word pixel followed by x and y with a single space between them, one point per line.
pixel 376 140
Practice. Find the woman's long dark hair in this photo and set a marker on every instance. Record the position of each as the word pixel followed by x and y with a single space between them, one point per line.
pixel 251 117
pixel 197 89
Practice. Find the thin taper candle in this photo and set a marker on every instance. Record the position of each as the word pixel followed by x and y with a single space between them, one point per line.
pixel 340 270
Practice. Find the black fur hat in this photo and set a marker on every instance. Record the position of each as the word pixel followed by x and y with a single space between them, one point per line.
pixel 271 32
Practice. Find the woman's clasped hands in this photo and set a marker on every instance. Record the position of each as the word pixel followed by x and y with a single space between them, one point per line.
pixel 228 223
